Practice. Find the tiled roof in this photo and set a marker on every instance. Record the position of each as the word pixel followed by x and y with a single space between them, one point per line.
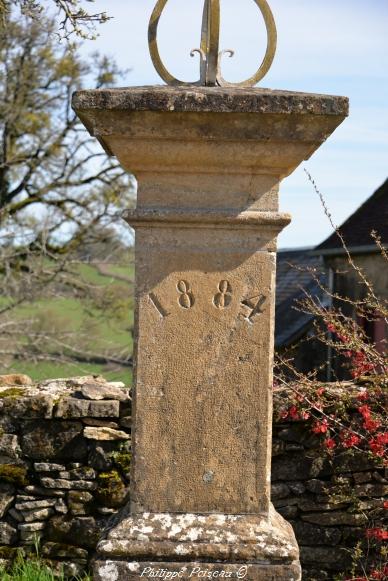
pixel 294 278
pixel 372 215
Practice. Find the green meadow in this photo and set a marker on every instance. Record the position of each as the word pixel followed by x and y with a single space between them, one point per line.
pixel 88 324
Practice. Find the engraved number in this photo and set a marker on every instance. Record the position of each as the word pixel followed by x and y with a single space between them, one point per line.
pixel 224 297
pixel 254 304
pixel 186 298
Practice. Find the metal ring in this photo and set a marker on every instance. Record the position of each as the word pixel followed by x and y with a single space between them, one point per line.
pixel 154 50
pixel 269 55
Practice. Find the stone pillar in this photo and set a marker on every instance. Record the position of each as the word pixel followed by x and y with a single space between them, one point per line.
pixel 208 163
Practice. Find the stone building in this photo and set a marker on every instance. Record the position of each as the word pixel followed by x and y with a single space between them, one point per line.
pixel 331 267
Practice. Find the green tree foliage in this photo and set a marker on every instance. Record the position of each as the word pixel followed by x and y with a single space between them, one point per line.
pixel 51 171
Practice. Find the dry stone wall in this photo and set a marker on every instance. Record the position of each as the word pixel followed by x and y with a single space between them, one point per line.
pixel 64 464
pixel 64 472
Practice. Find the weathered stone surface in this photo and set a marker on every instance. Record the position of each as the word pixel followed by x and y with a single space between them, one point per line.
pixel 80 497
pixel 100 457
pixel 68 484
pixel 79 502
pixel 64 530
pixel 318 486
pixel 40 491
pixel 337 559
pixel 31 532
pixel 54 441
pixel 32 527
pixel 279 491
pixel 315 535
pixel 287 512
pixel 29 516
pixel 7 495
pixel 53 550
pixel 7 534
pixel 101 423
pixel 209 100
pixel 9 445
pixel 79 408
pixel 246 538
pixel 107 434
pixel 336 518
pixel 310 504
pixel 296 467
pixel 126 422
pixel 97 391
pixel 367 490
pixel 15 379
pixel 353 461
pixel 82 473
pixel 35 504
pixel 29 407
pixel 61 507
pixel 48 467
pixel 297 487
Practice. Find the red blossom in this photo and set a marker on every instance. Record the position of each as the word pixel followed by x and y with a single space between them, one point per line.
pixel 385 505
pixel 365 411
pixel 320 391
pixel 382 439
pixel 363 396
pixel 371 425
pixel 320 427
pixel 378 534
pixel 376 448
pixel 330 443
pixel 305 415
pixel 349 439
pixel 293 413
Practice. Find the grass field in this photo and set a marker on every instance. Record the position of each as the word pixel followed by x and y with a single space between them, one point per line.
pixel 101 324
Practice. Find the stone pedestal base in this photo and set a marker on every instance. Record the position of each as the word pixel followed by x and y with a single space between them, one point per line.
pixel 189 546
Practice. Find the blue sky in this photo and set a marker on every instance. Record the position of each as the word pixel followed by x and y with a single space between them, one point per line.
pixel 325 46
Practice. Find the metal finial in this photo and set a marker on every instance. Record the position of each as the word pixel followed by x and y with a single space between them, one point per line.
pixel 209 52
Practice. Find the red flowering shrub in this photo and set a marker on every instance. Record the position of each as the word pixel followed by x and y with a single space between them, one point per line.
pixel 351 419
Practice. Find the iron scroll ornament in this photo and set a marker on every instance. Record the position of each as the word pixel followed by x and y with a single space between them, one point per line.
pixel 209 52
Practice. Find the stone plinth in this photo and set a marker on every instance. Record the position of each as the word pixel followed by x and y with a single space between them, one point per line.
pixel 208 164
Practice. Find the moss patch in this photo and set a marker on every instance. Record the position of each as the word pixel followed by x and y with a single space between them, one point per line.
pixel 13 392
pixel 111 490
pixel 122 459
pixel 13 474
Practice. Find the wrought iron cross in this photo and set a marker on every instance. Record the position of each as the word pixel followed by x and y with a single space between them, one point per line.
pixel 209 52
